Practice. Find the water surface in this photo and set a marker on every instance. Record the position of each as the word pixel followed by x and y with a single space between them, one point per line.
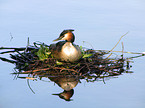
pixel 100 23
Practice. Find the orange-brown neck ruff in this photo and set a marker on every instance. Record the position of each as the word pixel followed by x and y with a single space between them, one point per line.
pixel 69 37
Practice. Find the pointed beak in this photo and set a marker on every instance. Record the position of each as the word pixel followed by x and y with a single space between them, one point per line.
pixel 56 39
pixel 59 38
pixel 56 94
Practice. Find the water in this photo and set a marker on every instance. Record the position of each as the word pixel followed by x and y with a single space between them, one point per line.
pixel 100 23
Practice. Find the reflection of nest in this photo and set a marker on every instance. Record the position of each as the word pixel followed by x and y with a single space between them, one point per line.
pixel 94 66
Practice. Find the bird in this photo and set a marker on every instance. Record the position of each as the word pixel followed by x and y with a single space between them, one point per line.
pixel 66 50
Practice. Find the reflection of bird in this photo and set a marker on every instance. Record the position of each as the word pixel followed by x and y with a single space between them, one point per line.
pixel 66 95
pixel 66 50
pixel 67 82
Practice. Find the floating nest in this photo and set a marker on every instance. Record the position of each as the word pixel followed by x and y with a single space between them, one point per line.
pixel 36 60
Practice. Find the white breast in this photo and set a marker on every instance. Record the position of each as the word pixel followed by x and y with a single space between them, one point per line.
pixel 69 49
pixel 70 52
